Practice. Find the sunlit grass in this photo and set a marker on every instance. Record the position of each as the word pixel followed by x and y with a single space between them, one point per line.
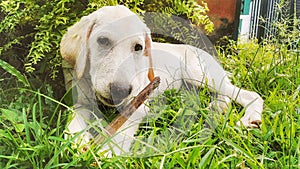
pixel 182 131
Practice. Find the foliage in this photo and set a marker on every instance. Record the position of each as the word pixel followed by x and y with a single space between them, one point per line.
pixel 28 138
pixel 36 27
pixel 188 9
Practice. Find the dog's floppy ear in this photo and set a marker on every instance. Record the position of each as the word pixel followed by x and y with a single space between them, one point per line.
pixel 73 46
pixel 148 42
pixel 84 51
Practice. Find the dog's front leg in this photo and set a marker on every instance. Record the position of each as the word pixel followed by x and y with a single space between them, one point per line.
pixel 83 110
pixel 78 124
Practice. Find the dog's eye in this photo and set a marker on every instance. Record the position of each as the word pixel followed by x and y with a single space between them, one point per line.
pixel 138 47
pixel 103 41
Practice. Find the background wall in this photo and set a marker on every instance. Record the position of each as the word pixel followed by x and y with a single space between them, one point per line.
pixel 225 16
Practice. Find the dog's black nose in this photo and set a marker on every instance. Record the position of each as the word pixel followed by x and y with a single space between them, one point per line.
pixel 119 91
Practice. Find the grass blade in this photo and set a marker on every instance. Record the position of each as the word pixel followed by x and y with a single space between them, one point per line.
pixel 207 158
pixel 13 71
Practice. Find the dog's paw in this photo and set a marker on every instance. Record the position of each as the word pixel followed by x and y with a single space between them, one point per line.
pixel 252 120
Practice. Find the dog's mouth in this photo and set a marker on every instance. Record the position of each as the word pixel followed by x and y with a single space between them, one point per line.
pixel 110 101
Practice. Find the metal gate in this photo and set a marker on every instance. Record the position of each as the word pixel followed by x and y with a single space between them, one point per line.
pixel 263 14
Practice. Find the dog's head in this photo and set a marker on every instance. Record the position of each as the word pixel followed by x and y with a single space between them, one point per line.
pixel 113 46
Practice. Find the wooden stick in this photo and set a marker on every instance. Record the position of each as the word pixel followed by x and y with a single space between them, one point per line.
pixel 129 109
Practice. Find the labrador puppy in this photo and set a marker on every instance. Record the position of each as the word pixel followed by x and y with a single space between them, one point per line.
pixel 114 58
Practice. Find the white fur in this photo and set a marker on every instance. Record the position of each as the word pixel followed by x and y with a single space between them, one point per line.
pixel 97 66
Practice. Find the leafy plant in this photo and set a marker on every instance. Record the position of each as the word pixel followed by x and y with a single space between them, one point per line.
pixel 189 9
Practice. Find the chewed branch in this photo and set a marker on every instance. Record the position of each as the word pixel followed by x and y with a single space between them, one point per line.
pixel 129 109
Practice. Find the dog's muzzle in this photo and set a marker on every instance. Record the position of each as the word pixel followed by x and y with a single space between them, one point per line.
pixel 118 94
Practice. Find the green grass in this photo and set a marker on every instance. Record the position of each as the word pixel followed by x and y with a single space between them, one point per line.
pixel 182 131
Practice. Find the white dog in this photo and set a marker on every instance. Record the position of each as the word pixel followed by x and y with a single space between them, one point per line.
pixel 111 52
